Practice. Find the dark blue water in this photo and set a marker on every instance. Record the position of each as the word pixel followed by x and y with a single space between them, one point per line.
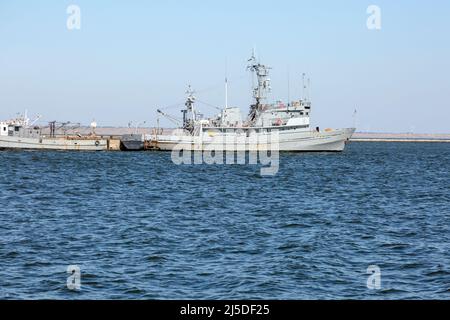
pixel 141 227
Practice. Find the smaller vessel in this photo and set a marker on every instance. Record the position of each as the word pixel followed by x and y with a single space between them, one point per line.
pixel 133 142
pixel 19 133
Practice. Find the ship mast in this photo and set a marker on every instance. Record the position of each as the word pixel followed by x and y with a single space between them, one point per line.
pixel 226 85
pixel 226 93
pixel 189 123
pixel 262 87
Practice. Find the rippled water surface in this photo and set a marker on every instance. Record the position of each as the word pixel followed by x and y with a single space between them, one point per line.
pixel 141 227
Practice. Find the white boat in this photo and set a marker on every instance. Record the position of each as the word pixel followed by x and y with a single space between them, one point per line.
pixel 20 134
pixel 286 125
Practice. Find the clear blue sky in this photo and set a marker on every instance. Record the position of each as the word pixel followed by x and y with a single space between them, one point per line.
pixel 132 57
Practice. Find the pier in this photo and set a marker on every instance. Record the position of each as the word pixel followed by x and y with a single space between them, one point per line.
pixel 113 136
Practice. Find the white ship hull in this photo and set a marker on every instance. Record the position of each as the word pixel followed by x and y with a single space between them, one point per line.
pixel 287 141
pixel 8 142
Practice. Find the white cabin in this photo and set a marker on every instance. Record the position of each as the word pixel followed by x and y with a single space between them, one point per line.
pixel 3 129
pixel 231 117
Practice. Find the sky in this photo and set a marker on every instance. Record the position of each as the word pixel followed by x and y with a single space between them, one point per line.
pixel 130 58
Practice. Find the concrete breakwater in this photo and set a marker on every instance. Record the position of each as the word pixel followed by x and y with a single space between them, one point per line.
pixel 399 137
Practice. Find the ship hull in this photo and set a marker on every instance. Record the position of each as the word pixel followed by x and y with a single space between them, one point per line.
pixel 7 142
pixel 300 141
pixel 133 145
pixel 133 142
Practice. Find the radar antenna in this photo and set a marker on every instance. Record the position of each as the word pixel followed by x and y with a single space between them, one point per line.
pixel 263 85
pixel 190 101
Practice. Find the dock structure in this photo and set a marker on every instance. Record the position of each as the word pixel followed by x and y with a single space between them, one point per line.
pixel 114 135
pixel 113 144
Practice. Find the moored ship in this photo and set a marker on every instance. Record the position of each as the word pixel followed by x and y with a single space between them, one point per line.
pixel 20 134
pixel 286 125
